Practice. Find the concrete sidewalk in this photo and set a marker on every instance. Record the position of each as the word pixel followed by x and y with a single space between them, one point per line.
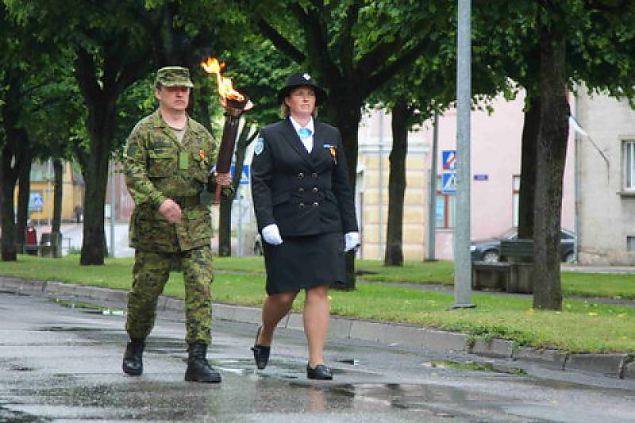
pixel 409 337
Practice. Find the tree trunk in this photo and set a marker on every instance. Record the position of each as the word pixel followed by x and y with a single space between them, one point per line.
pixel 95 172
pixel 24 190
pixel 12 159
pixel 1 196
pixel 224 227
pixel 9 178
pixel 101 124
pixel 100 99
pixel 346 110
pixel 551 154
pixel 526 196
pixel 58 171
pixel 401 115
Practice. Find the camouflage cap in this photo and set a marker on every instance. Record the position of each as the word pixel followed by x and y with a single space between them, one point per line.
pixel 174 76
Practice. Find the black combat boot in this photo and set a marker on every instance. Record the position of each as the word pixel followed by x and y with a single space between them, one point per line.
pixel 198 369
pixel 132 358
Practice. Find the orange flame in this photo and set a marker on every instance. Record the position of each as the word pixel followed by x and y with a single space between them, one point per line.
pixel 225 87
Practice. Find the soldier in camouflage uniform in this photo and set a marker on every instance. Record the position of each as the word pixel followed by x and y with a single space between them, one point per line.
pixel 167 162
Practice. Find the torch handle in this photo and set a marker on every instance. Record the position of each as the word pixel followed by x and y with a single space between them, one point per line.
pixel 226 149
pixel 230 131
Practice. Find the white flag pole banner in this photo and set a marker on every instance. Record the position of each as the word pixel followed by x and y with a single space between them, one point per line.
pixel 573 122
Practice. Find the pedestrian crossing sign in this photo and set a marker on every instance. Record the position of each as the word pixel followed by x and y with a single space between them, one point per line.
pixel 448 183
pixel 36 201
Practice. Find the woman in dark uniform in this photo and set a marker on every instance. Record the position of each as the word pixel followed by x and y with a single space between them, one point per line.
pixel 306 215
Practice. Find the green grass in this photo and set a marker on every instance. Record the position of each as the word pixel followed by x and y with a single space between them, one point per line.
pixel 607 285
pixel 582 326
pixel 437 272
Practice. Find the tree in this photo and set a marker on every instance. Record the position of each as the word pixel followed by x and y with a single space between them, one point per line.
pixel 55 118
pixel 552 46
pixel 15 152
pixel 551 149
pixel 413 96
pixel 110 54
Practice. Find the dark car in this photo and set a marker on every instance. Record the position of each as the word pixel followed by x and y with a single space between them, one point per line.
pixel 489 250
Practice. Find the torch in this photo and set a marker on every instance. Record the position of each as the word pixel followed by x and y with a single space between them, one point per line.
pixel 235 103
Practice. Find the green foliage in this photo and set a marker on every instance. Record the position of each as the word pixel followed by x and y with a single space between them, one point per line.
pixel 259 70
pixel 599 35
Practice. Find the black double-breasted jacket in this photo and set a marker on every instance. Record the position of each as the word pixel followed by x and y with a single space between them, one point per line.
pixel 303 193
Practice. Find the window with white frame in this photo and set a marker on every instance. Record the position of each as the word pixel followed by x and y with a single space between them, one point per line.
pixel 628 165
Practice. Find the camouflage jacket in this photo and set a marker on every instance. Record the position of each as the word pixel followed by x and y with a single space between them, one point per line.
pixel 158 167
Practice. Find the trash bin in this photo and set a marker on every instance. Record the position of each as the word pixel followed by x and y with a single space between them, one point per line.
pixel 46 246
pixel 30 240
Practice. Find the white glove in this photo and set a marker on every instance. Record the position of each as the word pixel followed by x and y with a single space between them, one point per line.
pixel 351 241
pixel 271 234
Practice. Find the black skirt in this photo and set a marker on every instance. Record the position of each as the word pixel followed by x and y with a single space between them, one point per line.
pixel 304 262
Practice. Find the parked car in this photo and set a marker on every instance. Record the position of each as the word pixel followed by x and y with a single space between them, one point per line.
pixel 489 250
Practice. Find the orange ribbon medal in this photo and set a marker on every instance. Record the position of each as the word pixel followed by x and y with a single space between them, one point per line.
pixel 332 152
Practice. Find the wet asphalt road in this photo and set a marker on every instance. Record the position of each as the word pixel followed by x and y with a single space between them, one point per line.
pixel 61 362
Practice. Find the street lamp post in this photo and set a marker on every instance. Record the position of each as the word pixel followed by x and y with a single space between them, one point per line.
pixel 462 260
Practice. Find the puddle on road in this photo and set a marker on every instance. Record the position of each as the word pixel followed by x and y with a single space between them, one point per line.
pixel 474 366
pixel 7 415
pixel 71 329
pixel 277 369
pixel 351 361
pixel 88 308
pixel 282 387
pixel 18 368
pixel 18 293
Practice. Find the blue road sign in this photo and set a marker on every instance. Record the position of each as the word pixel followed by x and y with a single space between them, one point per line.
pixel 448 183
pixel 244 177
pixel 36 201
pixel 448 159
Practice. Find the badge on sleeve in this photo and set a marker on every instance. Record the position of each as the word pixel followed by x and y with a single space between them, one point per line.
pixel 259 147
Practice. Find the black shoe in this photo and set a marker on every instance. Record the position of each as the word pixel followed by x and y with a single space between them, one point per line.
pixel 320 372
pixel 261 352
pixel 132 358
pixel 198 369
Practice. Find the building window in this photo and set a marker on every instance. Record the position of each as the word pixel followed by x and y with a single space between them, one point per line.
pixel 629 165
pixel 630 243
pixel 444 212
pixel 515 198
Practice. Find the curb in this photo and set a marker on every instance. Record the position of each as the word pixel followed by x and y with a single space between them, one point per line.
pixel 620 366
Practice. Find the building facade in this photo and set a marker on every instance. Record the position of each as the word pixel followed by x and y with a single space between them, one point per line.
pixel 605 181
pixel 41 193
pixel 495 168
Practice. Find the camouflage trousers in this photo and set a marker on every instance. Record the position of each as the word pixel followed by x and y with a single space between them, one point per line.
pixel 150 273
